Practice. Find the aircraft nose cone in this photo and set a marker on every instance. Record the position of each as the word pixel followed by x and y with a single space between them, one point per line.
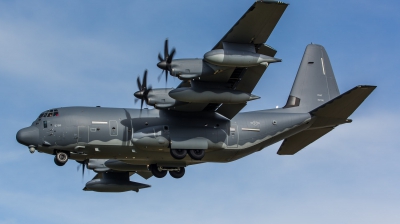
pixel 28 136
pixel 162 65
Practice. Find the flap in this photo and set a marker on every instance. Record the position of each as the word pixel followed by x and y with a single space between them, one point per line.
pixel 267 50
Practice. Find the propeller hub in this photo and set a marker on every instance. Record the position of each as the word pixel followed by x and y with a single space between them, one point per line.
pixel 162 65
pixel 165 62
pixel 138 94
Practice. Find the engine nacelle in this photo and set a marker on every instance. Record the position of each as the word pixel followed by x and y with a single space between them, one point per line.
pixel 160 99
pixel 187 69
pixel 237 58
pixel 197 95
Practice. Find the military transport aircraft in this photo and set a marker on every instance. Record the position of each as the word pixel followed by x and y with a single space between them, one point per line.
pixel 199 121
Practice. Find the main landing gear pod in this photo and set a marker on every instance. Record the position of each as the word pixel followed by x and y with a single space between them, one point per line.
pixel 195 154
pixel 160 171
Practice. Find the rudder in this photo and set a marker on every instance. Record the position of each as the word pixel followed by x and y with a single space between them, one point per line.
pixel 315 83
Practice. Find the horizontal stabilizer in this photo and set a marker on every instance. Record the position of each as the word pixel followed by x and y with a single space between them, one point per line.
pixel 295 143
pixel 328 116
pixel 345 104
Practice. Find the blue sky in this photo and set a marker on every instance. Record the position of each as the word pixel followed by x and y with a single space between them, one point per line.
pixel 88 53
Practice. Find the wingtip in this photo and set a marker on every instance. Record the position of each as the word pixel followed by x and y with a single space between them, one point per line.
pixel 273 2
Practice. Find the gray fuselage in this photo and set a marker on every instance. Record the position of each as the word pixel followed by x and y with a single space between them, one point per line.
pixel 145 137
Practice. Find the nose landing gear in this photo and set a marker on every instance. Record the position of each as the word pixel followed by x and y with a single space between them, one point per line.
pixel 61 158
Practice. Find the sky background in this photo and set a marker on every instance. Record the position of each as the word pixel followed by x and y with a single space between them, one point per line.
pixel 88 53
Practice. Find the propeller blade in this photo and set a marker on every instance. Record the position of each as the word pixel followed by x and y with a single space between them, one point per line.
pixel 159 76
pixel 169 60
pixel 143 91
pixel 138 83
pixel 166 50
pixel 165 63
pixel 83 170
pixel 82 165
pixel 144 84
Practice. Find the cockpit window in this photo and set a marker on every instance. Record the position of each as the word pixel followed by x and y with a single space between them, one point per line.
pixel 49 113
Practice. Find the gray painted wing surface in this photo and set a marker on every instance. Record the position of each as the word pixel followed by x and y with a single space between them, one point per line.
pixel 256 25
pixel 230 110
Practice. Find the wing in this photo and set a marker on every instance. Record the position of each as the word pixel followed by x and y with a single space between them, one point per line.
pixel 255 26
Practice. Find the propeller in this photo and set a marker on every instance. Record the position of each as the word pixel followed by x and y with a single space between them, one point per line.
pixel 165 63
pixel 143 90
pixel 82 164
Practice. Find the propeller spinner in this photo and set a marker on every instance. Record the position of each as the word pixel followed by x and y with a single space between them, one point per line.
pixel 143 90
pixel 165 63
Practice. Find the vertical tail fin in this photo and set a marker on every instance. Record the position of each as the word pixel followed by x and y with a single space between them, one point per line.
pixel 315 83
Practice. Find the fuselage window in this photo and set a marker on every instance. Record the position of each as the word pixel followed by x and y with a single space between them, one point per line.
pixel 44 124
